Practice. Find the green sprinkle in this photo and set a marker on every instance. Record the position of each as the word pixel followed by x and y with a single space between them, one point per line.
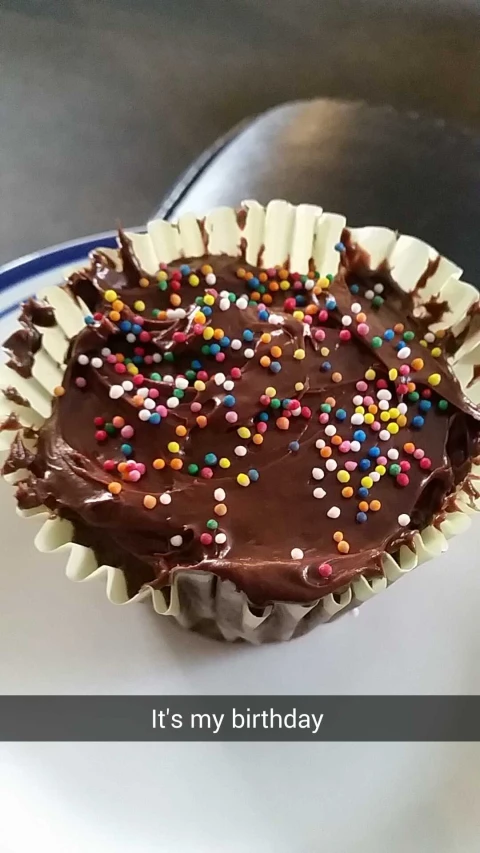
pixel 252 303
pixel 212 524
pixel 275 403
pixel 162 285
pixel 193 469
pixel 156 377
pixel 414 396
pixel 317 274
pixel 232 297
pixel 199 300
pixel 443 405
pixel 156 311
pixel 376 342
pixel 261 288
pixel 190 375
pixel 329 276
pixel 394 469
pixel 326 407
pixel 205 350
pixel 408 336
pixel 168 356
pixel 304 278
pixel 377 301
pixel 178 392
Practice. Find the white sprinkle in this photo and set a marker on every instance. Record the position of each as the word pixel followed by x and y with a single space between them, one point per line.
pixel 106 352
pixel 309 285
pixel 131 338
pixel 393 453
pixel 176 541
pixel 144 415
pixel 116 391
pixel 276 320
pixel 384 435
pixel 176 313
pixel 375 476
pixel 220 538
pixel 127 385
pixel 249 353
pixel 429 337
pixel 236 344
pixel 319 443
pixel 357 400
pixel 403 519
pixel 219 378
pixel 224 304
pixel 355 446
pixel 369 294
pixel 97 363
pixel 210 279
pixel 165 499
pixel 181 382
pixel 402 408
pixel 157 357
pixel 296 412
pixel 142 392
pixel 219 494
pixel 318 474
pixel 378 288
pixel 296 554
pixel 404 352
pixel 240 450
pixel 319 493
pixel 149 403
pixel 384 394
pixel 229 385
pixel 330 430
pixel 224 294
pixel 383 405
pixel 83 360
pixel 173 402
pixel 357 419
pixel 331 465
pixel 346 320
pixel 242 303
pixel 356 308
pixel 333 512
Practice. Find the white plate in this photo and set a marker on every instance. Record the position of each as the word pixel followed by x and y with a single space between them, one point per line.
pixel 420 636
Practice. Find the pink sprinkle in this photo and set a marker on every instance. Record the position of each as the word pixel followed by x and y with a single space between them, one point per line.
pixel 198 329
pixel 361 386
pixel 325 570
pixel 206 473
pixel 231 417
pixel 271 272
pixel 382 460
pixel 363 329
pixel 134 476
pixel 425 463
pixel 319 335
pixel 306 412
pixel 111 358
pixel 163 266
pixel 324 418
pixel 236 373
pixel 345 335
pixel 127 431
pixel 131 465
pixel 262 427
pixel 138 379
pixel 404 369
pixel 141 468
pixel 382 383
pixel 138 320
pixel 194 407
pixel 405 466
pixel 368 401
pixel 162 411
pixel 206 539
pixel 145 337
pixel 322 315
pixel 344 447
pixel 148 359
pixel 350 465
pixel 376 426
pixel 154 393
pixel 202 375
pixel 307 320
pixel 419 453
pixel 120 368
pixel 289 304
pixel 298 285
pixel 265 400
pixel 294 404
pixel 403 480
pixel 80 382
pixel 178 337
pixel 220 356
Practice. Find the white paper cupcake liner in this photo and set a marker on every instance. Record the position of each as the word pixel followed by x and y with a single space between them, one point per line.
pixel 269 235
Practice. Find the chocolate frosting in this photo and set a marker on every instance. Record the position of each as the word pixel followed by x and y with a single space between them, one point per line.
pixel 242 475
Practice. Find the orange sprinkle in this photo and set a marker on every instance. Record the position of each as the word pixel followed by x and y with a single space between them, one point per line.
pixel 158 464
pixel 267 299
pixel 282 423
pixel 411 386
pixel 338 536
pixel 343 547
pixel 276 352
pixel 325 452
pixel 114 316
pixel 265 361
pixel 118 305
pixel 417 364
pixel 122 467
pixel 163 316
pixel 263 277
pixel 144 282
pixel 220 509
pixel 373 409
pixel 119 356
pixel 257 438
pixel 283 274
pixel 198 318
pixel 363 506
pixel 337 377
pixel 401 421
pixel 311 309
pixel 274 286
pixel 201 421
pixel 149 502
pixel 207 269
pixel 176 464
pixel 347 492
pixel 59 391
pixel 336 440
pixel 409 447
pixel 248 275
pixel 375 506
pixel 180 430
pixel 311 274
pixel 317 289
pixel 398 328
pixel 175 300
pixel 218 334
pixel 255 296
pixel 331 401
pixel 240 272
pixel 360 318
pixel 114 488
pixel 118 422
pixel 137 400
pixel 266 338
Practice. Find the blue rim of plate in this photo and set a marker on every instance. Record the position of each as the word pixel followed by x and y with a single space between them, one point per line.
pixel 36 263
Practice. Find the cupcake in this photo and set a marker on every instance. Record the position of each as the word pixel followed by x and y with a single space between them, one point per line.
pixel 257 419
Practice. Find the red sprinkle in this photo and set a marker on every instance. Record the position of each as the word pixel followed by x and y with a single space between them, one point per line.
pixel 206 539
pixel 306 412
pixel 145 337
pixel 262 427
pixel 206 473
pixel 236 373
pixel 403 480
pixel 100 435
pixel 325 570
pixel 178 337
pixel 109 465
pixel 120 367
pixel 290 304
pixel 402 388
pixel 202 375
pixel 322 315
pixel 175 285
pixel 345 335
pixel 98 316
pixel 382 383
pixel 176 275
pixel 99 422
pixel 425 463
pixel 139 379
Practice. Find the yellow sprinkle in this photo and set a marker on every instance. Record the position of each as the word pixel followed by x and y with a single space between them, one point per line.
pixel 132 369
pixel 243 480
pixel 324 351
pixel 434 379
pixel 370 373
pixel 394 413
pixel 208 333
pixel 162 275
pixel 144 282
pixel 200 318
pixel 243 432
pixel 369 418
pixel 284 285
pixel 193 280
pixel 110 295
pixel 393 428
pixel 299 386
pixel 402 421
pixel 423 343
pixel 324 283
pixel 173 446
pixel 367 482
pixel 359 410
pixel 343 547
pixel 343 476
pixel 298 315
pixel 338 536
pixel 199 385
pixel 139 305
pixel 224 462
pixel 220 509
pixel 209 299
pixel 299 354
pixel 385 416
pixel 392 374
pixel 270 391
pixel 436 352
pixel 380 469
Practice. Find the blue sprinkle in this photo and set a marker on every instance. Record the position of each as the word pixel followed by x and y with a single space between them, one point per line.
pixel 400 345
pixel 136 329
pixel 155 418
pixel 263 315
pixel 362 492
pixel 125 326
pixel 388 334
pixel 330 304
pixel 207 310
pixel 361 517
pixel 418 422
pixel 185 269
pixel 254 281
pixel 300 300
pixel 126 449
pixel 196 364
pixel 359 435
pixel 263 416
pixel 137 359
pixel 325 366
pixel 210 459
pixel 285 403
pixel 354 288
pixel 341 414
pixel 294 445
pixel 89 321
pixel 364 464
pixel 214 349
pixel 254 475
pixel 374 452
pixel 229 401
pixel 424 405
pixel 339 247
pixel 248 335
pixel 275 367
pixel 224 342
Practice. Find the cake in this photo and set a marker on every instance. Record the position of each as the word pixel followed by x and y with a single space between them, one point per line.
pixel 280 432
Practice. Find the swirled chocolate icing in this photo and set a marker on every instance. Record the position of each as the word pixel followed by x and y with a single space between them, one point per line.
pixel 278 430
